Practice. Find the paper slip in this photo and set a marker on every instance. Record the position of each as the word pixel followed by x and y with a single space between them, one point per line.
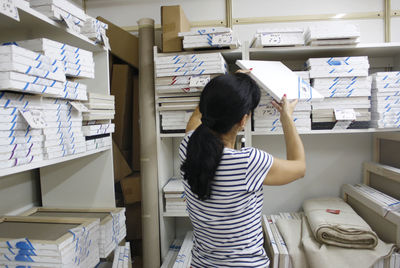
pixel 8 8
pixel 277 80
pixel 79 106
pixel 199 81
pixel 345 114
pixel 34 118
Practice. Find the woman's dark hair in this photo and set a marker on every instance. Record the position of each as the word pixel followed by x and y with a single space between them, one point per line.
pixel 223 103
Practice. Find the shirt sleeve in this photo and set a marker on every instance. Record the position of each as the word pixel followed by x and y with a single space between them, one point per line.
pixel 183 146
pixel 259 164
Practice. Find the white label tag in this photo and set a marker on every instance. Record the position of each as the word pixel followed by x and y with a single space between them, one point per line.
pixel 199 81
pixel 79 106
pixel 272 38
pixel 343 124
pixel 8 8
pixel 34 118
pixel 345 114
pixel 222 39
pixel 105 41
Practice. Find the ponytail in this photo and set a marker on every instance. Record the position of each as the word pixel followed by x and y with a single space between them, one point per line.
pixel 223 103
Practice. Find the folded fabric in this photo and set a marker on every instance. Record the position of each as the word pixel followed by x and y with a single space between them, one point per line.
pixel 322 255
pixel 334 222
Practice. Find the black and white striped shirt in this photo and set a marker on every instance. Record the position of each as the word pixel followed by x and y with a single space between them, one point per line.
pixel 227 227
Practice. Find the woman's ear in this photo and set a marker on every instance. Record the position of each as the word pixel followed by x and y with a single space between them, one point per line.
pixel 244 120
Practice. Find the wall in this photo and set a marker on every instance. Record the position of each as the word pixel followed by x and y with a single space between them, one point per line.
pixel 331 159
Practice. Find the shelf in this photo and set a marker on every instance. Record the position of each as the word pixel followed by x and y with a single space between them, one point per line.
pixel 305 52
pixel 175 214
pixel 329 131
pixel 230 55
pixel 22 168
pixel 172 135
pixel 34 24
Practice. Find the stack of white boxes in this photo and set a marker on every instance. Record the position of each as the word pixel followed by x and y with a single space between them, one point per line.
pixel 218 37
pixel 25 71
pixel 97 120
pixel 77 62
pixel 95 30
pixel 386 100
pixel 174 195
pixel 122 256
pixel 332 34
pixel 74 91
pixel 61 10
pixel 274 37
pixel 179 82
pixel 19 143
pixel 345 84
pixel 184 257
pixel 63 131
pixel 266 117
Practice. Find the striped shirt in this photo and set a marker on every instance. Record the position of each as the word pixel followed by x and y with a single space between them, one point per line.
pixel 227 227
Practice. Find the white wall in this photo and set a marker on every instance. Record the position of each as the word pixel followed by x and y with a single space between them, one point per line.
pixel 331 159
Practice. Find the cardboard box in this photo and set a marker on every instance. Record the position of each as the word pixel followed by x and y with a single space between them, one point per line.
pixel 135 126
pixel 122 89
pixel 121 167
pixel 123 44
pixel 173 21
pixel 134 221
pixel 131 189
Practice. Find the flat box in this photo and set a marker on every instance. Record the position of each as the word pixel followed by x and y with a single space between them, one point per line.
pixel 31 79
pixel 131 189
pixel 123 44
pixel 100 96
pixel 57 13
pixel 338 61
pixel 62 4
pixel 173 21
pixel 12 48
pixel 58 75
pixel 27 61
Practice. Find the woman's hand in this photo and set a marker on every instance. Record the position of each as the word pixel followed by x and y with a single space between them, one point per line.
pixel 285 107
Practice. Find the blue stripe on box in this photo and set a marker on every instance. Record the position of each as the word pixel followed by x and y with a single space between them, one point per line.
pixel 26 86
pixel 14 118
pixel 29 68
pixel 40 63
pixel 7 103
pixel 354 78
pixel 350 70
pixel 350 84
pixel 11 133
pixel 36 78
pixel 385 78
pixel 332 71
pixel 386 85
pixel 333 84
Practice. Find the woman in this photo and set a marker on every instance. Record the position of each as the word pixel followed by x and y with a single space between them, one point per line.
pixel 223 186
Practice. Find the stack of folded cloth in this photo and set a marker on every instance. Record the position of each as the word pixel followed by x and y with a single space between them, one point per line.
pixel 63 131
pixel 174 195
pixel 97 126
pixel 386 100
pixel 218 37
pixel 179 81
pixel 19 143
pixel 61 10
pixel 78 63
pixel 330 234
pixel 278 37
pixel 332 34
pixel 23 70
pixel 95 30
pixel 345 84
pixel 266 117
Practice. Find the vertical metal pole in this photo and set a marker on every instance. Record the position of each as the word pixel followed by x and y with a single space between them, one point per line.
pixel 84 5
pixel 388 13
pixel 228 13
pixel 148 147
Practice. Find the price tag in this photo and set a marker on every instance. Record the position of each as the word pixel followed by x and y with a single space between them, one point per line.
pixel 34 118
pixel 105 41
pixel 222 39
pixel 345 114
pixel 271 38
pixel 8 8
pixel 199 81
pixel 79 106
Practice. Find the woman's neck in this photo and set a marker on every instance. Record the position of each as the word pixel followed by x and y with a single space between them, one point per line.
pixel 229 138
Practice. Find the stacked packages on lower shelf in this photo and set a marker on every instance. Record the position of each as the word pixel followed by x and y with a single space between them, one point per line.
pixel 274 37
pixel 49 242
pixel 345 84
pixel 122 257
pixel 218 37
pixel 174 195
pixel 179 80
pixel 61 10
pixel 172 254
pixel 77 62
pixel 386 100
pixel 332 34
pixel 112 228
pixel 97 125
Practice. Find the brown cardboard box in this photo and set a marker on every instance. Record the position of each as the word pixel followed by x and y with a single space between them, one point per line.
pixel 173 21
pixel 121 167
pixel 122 89
pixel 123 44
pixel 134 221
pixel 131 189
pixel 135 126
